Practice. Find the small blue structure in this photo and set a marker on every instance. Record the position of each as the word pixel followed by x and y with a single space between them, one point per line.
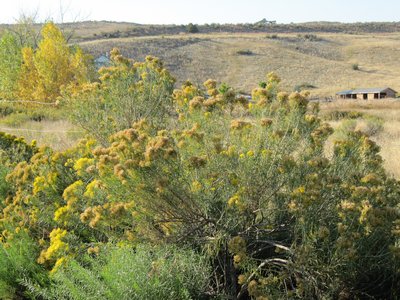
pixel 102 61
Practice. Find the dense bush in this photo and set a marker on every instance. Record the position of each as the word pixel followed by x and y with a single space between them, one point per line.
pixel 192 28
pixel 127 92
pixel 14 149
pixel 371 125
pixel 15 113
pixel 249 185
pixel 18 265
pixel 272 36
pixel 244 52
pixel 355 67
pixel 364 124
pixel 309 37
pixel 304 86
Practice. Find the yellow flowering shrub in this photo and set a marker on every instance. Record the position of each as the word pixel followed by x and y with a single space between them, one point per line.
pixel 211 182
pixel 57 248
pixel 45 197
pixel 14 149
pixel 249 185
pixel 127 92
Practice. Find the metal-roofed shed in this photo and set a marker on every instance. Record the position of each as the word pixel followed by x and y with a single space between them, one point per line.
pixel 367 94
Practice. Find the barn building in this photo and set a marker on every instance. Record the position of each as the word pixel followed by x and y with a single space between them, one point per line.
pixel 367 94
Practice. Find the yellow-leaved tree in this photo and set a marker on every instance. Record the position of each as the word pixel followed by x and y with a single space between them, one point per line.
pixel 28 74
pixel 51 66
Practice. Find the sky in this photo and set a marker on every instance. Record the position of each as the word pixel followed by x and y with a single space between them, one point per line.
pixel 203 11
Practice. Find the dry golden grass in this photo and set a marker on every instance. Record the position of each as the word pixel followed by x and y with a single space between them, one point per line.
pixel 389 140
pixel 59 135
pixel 377 106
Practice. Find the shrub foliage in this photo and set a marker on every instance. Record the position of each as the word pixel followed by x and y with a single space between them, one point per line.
pixel 247 185
pixel 127 92
pixel 122 273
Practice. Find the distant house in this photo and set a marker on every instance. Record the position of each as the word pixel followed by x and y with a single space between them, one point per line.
pixel 367 94
pixel 265 22
pixel 102 61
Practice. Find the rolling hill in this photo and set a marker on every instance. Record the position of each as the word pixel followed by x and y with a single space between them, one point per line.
pixel 327 61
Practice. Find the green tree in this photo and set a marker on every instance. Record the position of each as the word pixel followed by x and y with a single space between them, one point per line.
pixel 10 66
pixel 192 28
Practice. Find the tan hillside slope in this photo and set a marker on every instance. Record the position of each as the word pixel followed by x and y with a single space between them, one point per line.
pixel 324 60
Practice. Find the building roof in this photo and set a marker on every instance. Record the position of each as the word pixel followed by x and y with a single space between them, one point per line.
pixel 102 60
pixel 365 91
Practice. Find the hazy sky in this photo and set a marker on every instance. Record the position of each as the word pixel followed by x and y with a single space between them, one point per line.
pixel 206 11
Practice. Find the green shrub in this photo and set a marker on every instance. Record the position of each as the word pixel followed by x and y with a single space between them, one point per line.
pixel 224 88
pixel 16 119
pixel 4 186
pixel 366 124
pixel 355 67
pixel 192 28
pixel 15 113
pixel 14 150
pixel 309 37
pixel 250 185
pixel 17 265
pixel 262 84
pixel 128 91
pixel 145 272
pixel 244 52
pixel 19 118
pixel 304 86
pixel 370 125
pixel 272 36
pixel 246 188
pixel 7 109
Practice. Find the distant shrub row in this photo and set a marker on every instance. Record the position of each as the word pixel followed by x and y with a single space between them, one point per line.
pixel 337 115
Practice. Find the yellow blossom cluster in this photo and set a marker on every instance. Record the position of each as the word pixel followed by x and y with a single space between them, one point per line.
pixel 57 248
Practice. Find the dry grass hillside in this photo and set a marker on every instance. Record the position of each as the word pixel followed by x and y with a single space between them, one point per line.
pixel 322 60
